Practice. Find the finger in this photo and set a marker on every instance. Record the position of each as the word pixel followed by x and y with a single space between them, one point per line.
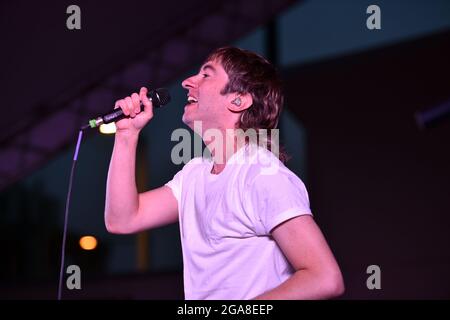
pixel 148 106
pixel 136 103
pixel 130 108
pixel 143 91
pixel 121 104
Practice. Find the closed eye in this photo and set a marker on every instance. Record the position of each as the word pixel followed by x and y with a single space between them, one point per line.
pixel 205 75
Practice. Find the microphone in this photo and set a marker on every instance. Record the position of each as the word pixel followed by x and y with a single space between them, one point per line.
pixel 159 97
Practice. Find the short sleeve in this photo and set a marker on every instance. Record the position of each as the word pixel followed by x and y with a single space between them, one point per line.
pixel 278 198
pixel 175 184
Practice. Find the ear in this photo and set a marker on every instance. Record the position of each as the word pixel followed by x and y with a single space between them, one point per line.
pixel 240 102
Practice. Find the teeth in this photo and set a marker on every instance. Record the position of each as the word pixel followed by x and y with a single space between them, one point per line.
pixel 192 100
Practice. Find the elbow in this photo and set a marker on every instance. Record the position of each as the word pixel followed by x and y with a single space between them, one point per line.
pixel 115 228
pixel 334 285
pixel 112 228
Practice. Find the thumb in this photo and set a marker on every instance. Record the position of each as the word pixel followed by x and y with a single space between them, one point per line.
pixel 148 105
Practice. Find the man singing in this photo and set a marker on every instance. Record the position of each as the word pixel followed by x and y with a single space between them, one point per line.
pixel 247 231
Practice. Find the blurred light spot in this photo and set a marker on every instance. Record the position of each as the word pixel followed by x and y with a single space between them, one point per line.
pixel 88 243
pixel 108 128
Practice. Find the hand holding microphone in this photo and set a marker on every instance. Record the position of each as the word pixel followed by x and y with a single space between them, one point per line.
pixel 133 112
pixel 131 107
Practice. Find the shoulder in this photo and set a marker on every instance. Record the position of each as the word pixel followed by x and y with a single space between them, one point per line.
pixel 195 165
pixel 262 164
pixel 265 172
pixel 197 161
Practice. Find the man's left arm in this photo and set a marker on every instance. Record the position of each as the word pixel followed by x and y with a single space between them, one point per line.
pixel 317 274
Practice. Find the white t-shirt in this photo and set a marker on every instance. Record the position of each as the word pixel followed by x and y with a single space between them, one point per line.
pixel 226 219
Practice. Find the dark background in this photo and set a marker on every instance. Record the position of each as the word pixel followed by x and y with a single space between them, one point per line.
pixel 378 183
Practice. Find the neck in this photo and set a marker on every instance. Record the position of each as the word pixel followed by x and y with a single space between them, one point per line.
pixel 222 147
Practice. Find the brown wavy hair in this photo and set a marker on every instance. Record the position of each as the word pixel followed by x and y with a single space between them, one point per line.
pixel 251 73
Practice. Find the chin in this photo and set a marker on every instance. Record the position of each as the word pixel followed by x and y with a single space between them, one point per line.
pixel 187 121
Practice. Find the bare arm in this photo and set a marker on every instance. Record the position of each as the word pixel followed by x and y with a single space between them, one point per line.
pixel 317 273
pixel 126 211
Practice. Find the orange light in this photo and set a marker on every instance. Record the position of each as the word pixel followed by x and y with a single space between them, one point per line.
pixel 88 243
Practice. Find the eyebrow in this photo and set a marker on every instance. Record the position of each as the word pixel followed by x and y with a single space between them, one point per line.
pixel 208 67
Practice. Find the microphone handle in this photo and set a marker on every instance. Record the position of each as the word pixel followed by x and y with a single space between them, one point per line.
pixel 116 115
pixel 159 97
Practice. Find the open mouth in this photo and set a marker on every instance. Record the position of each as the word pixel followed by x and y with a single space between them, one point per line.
pixel 191 100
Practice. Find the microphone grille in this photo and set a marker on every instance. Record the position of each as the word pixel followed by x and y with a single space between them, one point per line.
pixel 160 97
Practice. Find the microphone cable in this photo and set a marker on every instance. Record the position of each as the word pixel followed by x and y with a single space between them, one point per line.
pixel 159 97
pixel 66 215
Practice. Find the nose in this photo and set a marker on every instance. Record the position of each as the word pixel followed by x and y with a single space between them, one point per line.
pixel 188 83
